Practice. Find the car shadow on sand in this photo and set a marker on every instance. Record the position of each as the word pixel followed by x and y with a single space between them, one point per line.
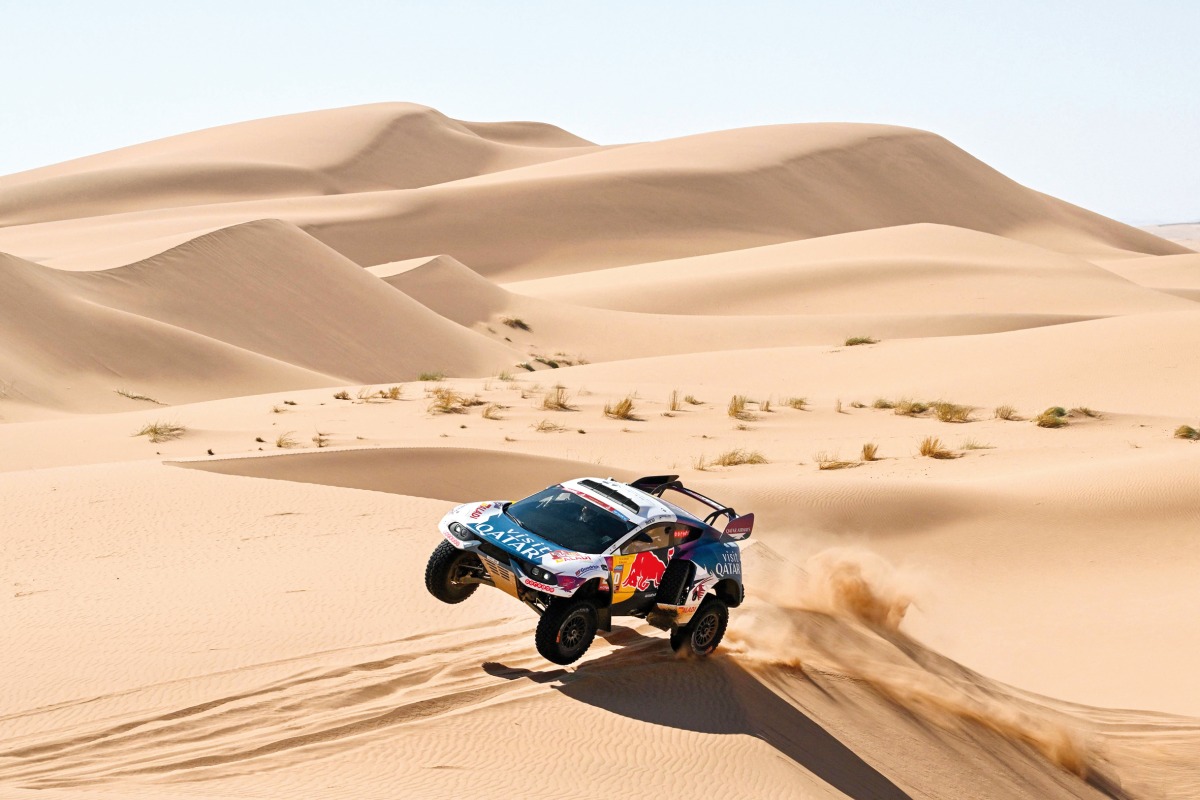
pixel 716 696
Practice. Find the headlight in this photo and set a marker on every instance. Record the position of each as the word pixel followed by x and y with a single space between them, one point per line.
pixel 461 531
pixel 543 575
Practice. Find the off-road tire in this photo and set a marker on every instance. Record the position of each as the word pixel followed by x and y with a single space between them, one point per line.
pixel 705 630
pixel 444 563
pixel 566 630
pixel 675 582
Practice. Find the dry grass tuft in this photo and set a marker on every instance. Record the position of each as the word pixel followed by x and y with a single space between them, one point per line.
pixel 737 408
pixel 1053 417
pixel 622 409
pixel 142 397
pixel 556 400
pixel 856 404
pixel 162 431
pixel 692 401
pixel 673 403
pixel 952 412
pixel 701 463
pixel 837 406
pixel 870 452
pixel 342 395
pixel 826 461
pixel 971 444
pixel 1084 411
pixel 392 392
pixel 882 403
pixel 765 406
pixel 546 426
pixel 431 376
pixel 516 322
pixel 448 401
pixel 1187 432
pixel 798 403
pixel 492 411
pixel 1005 412
pixel 321 439
pixel 738 456
pixel 505 376
pixel 931 447
pixel 857 340
pixel 286 441
pixel 910 408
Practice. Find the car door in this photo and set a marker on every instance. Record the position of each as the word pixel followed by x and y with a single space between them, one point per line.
pixel 638 566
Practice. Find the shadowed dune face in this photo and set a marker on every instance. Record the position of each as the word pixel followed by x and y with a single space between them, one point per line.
pixel 350 320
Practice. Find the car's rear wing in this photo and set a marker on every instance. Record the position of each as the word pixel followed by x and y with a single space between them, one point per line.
pixel 736 527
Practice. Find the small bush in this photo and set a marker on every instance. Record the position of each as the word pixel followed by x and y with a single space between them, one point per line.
pixel 505 376
pixel 342 395
pixel 492 411
pixel 971 444
pixel 162 431
pixel 290 403
pixel 516 322
pixel 737 408
pixel 1187 432
pixel 1053 417
pixel 321 439
pixel 856 404
pixel 546 426
pixel 527 366
pixel 826 462
pixel 910 408
pixel 739 456
pixel 931 447
pixel 549 362
pixel 692 401
pixel 622 409
pixel 701 463
pixel 951 412
pixel 447 401
pixel 765 406
pixel 882 403
pixel 870 452
pixel 798 403
pixel 556 400
pixel 141 397
pixel 673 403
pixel 1084 411
pixel 432 376
pixel 1005 412
pixel 393 393
pixel 285 440
pixel 857 340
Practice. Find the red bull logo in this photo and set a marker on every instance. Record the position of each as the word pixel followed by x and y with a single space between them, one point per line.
pixel 646 570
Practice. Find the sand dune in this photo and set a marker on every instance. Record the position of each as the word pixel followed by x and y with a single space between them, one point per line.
pixel 255 623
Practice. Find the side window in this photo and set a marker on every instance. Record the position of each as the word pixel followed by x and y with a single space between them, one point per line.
pixel 660 537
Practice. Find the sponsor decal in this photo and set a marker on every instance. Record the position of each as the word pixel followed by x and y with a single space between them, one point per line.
pixel 568 555
pixel 740 527
pixel 729 563
pixel 525 544
pixel 644 571
pixel 541 587
pixel 585 570
pixel 477 513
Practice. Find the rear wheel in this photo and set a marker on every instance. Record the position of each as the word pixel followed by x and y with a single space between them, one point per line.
pixel 566 630
pixel 444 573
pixel 706 629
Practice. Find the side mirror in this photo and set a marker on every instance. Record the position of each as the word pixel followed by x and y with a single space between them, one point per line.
pixel 739 527
pixel 644 537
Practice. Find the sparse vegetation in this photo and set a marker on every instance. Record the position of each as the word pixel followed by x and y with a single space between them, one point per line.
pixel 738 456
pixel 737 408
pixel 546 426
pixel 162 431
pixel 123 393
pixel 556 399
pixel 837 406
pixel 447 401
pixel 826 461
pixel 285 440
pixel 392 393
pixel 432 376
pixel 526 365
pixel 798 403
pixel 492 411
pixel 342 395
pixel 290 403
pixel 931 447
pixel 1005 412
pixel 856 404
pixel 1053 417
pixel 971 444
pixel 622 409
pixel 870 452
pixel 952 412
pixel 882 403
pixel 1187 432
pixel 700 463
pixel 741 426
pixel 260 440
pixel 516 322
pixel 692 401
pixel 857 340
pixel 368 393
pixel 910 408
pixel 277 409
pixel 765 406
pixel 673 403
pixel 321 439
pixel 1084 411
pixel 505 376
pixel 549 362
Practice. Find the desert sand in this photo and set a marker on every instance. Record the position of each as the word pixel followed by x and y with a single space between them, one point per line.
pixel 237 610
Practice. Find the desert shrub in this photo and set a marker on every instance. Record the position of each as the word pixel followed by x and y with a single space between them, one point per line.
pixel 447 401
pixel 673 403
pixel 492 411
pixel 739 456
pixel 546 426
pixel 321 439
pixel 1187 432
pixel 285 440
pixel 825 461
pixel 342 395
pixel 931 447
pixel 1084 411
pixel 857 340
pixel 798 403
pixel 505 376
pixel 856 404
pixel 910 408
pixel 622 409
pixel 1053 417
pixel 737 407
pixel 971 444
pixel 870 452
pixel 393 392
pixel 882 403
pixel 556 400
pixel 1005 412
pixel 516 322
pixel 692 401
pixel 549 362
pixel 142 397
pixel 162 431
pixel 765 406
pixel 952 412
pixel 431 376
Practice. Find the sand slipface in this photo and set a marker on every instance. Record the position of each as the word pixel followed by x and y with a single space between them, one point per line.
pixel 244 371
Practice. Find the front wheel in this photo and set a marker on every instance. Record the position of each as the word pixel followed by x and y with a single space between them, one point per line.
pixel 566 630
pixel 706 629
pixel 445 570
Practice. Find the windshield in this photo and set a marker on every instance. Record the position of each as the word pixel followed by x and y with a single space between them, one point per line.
pixel 569 521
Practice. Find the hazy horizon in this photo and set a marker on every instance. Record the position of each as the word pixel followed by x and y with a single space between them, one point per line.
pixel 1076 103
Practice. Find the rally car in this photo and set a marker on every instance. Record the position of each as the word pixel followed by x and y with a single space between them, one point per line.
pixel 586 550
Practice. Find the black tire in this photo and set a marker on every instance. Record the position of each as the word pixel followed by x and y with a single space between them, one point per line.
pixel 676 580
pixel 566 630
pixel 445 564
pixel 705 630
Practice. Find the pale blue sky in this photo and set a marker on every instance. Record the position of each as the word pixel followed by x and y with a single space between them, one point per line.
pixel 1095 102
